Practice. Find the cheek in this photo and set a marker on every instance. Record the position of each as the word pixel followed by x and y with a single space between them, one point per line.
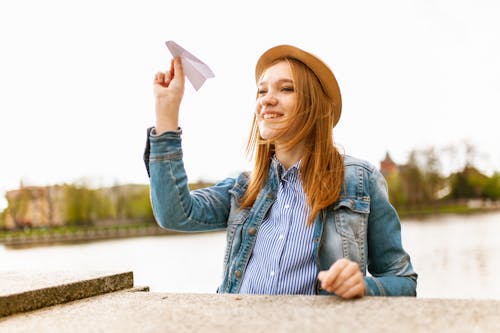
pixel 292 104
pixel 257 109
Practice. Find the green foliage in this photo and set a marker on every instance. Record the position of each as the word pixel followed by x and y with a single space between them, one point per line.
pixel 2 219
pixel 471 183
pixel 81 203
pixel 397 194
pixel 413 181
pixel 491 188
pixel 126 202
pixel 134 204
pixel 419 182
pixel 102 206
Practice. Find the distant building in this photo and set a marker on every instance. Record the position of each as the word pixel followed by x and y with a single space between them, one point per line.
pixel 388 166
pixel 35 206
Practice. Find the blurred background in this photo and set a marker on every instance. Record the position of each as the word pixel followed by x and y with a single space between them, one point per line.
pixel 420 83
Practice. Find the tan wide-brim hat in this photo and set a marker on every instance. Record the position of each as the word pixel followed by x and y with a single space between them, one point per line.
pixel 317 66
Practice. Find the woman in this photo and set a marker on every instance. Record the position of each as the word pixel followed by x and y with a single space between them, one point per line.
pixel 306 220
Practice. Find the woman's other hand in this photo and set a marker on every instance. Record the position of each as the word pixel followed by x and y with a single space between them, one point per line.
pixel 168 91
pixel 344 278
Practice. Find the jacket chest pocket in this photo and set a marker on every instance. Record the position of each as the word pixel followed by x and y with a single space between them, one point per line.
pixel 351 216
pixel 234 233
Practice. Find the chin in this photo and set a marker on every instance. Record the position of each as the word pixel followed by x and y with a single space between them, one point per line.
pixel 267 135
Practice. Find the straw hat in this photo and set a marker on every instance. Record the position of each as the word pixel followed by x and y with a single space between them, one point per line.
pixel 317 66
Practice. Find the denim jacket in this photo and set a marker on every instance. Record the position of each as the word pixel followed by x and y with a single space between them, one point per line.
pixel 362 225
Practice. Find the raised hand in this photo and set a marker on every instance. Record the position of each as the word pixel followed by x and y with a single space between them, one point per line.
pixel 168 92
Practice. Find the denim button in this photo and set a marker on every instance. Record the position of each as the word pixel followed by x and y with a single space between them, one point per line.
pixel 237 274
pixel 252 231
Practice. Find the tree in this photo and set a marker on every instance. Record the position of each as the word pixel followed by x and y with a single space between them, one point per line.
pixel 2 219
pixel 468 183
pixel 79 201
pixel 395 187
pixel 102 205
pixel 412 178
pixel 431 169
pixel 131 202
pixel 138 205
pixel 491 187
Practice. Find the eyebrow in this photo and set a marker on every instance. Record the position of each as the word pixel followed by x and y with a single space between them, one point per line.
pixel 279 81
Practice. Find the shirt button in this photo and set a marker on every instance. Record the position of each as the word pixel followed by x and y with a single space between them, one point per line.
pixel 237 274
pixel 272 273
pixel 280 237
pixel 287 206
pixel 252 231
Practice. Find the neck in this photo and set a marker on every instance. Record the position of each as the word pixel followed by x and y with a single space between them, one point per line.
pixel 288 158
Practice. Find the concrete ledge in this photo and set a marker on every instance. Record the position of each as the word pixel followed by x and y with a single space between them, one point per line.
pixel 162 312
pixel 62 303
pixel 29 290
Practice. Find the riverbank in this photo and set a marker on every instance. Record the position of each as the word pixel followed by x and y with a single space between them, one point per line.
pixel 76 234
pixel 465 207
pixel 438 211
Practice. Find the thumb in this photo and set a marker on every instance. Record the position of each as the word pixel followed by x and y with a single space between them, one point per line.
pixel 178 66
pixel 178 71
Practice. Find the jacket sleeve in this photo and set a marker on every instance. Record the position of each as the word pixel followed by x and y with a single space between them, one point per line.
pixel 390 267
pixel 175 207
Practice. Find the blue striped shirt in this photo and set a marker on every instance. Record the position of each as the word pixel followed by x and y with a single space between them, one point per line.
pixel 282 259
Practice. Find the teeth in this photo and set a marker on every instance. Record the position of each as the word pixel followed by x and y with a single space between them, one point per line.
pixel 271 116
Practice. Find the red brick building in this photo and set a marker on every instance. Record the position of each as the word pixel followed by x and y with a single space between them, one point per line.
pixel 387 165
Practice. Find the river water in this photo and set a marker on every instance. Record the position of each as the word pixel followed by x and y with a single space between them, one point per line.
pixel 456 256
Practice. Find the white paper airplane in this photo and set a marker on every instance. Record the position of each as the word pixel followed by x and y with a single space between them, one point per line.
pixel 195 70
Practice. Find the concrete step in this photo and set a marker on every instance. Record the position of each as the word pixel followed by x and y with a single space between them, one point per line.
pixel 30 290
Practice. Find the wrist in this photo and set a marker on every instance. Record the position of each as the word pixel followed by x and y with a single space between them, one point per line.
pixel 167 119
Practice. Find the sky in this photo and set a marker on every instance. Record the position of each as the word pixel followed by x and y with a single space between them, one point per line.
pixel 76 81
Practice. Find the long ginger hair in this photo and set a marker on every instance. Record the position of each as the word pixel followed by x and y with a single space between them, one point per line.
pixel 322 166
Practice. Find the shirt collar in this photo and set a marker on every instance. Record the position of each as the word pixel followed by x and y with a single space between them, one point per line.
pixel 283 173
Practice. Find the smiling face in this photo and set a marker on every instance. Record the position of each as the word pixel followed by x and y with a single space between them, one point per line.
pixel 276 101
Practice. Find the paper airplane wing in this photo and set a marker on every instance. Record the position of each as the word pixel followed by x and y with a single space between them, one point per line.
pixel 195 70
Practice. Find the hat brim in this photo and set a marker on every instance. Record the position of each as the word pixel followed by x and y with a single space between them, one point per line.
pixel 317 66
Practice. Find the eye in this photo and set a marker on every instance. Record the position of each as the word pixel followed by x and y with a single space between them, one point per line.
pixel 288 89
pixel 261 91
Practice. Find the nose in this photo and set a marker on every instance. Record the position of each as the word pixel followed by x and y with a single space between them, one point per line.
pixel 268 99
